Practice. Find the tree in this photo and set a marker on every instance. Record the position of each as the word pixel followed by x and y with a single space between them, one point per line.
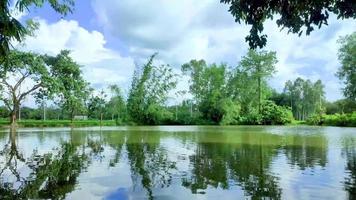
pixel 12 29
pixel 149 91
pixel 306 98
pixel 209 87
pixel 116 106
pixel 259 65
pixel 293 15
pixel 21 68
pixel 96 105
pixel 72 89
pixel 347 71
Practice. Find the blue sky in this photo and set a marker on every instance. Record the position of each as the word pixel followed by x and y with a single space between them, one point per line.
pixel 108 38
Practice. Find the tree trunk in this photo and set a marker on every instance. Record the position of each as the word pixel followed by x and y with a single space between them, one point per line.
pixel 101 119
pixel 72 116
pixel 13 114
pixel 259 95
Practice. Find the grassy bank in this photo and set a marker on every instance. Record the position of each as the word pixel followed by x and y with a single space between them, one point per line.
pixel 59 123
pixel 342 120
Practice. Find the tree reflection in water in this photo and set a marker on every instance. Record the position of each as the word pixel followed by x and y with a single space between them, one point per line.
pixel 349 152
pixel 52 175
pixel 221 160
pixel 149 162
pixel 306 151
pixel 245 161
pixel 223 166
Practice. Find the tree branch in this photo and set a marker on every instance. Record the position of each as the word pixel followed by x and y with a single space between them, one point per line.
pixel 29 91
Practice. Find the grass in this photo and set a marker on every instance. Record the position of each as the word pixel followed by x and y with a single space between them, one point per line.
pixel 59 123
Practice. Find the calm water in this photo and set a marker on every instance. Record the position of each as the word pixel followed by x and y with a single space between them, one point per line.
pixel 208 162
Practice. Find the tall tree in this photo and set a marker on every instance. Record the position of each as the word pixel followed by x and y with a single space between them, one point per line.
pixel 208 85
pixel 293 15
pixel 306 98
pixel 96 105
pixel 347 71
pixel 12 29
pixel 73 90
pixel 19 69
pixel 259 65
pixel 116 106
pixel 148 92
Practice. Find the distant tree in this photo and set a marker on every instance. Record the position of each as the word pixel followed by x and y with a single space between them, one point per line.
pixel 208 85
pixel 292 15
pixel 347 71
pixel 96 105
pixel 21 68
pixel 306 98
pixel 72 89
pixel 148 92
pixel 259 65
pixel 340 106
pixel 12 29
pixel 116 106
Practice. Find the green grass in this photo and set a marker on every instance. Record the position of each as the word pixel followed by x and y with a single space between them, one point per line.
pixel 59 123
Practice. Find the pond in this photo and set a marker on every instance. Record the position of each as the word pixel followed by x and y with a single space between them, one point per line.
pixel 179 162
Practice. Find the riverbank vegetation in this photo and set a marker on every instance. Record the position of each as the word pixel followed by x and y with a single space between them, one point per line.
pixel 221 94
pixel 218 94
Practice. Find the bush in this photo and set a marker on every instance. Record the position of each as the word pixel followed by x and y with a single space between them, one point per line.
pixel 275 115
pixel 333 120
pixel 231 112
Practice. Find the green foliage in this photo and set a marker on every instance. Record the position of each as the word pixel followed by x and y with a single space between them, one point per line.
pixel 12 29
pixel 22 67
pixel 295 16
pixel 116 107
pixel 208 85
pixel 305 97
pixel 337 119
pixel 271 114
pixel 231 112
pixel 275 115
pixel 96 106
pixel 258 66
pixel 340 106
pixel 72 90
pixel 149 91
pixel 347 71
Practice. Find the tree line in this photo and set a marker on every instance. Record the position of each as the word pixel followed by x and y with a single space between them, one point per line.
pixel 222 94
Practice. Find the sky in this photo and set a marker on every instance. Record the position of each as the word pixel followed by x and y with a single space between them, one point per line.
pixel 108 38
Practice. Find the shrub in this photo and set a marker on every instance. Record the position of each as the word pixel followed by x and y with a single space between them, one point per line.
pixel 273 114
pixel 333 120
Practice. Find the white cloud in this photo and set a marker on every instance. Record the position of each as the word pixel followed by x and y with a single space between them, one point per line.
pixel 181 30
pixel 101 66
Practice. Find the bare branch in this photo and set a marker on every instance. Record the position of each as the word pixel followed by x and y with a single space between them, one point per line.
pixel 35 87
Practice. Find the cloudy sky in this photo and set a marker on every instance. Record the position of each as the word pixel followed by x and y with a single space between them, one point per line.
pixel 109 37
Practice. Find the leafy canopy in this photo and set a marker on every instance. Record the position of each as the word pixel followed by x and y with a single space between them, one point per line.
pixel 12 29
pixel 347 71
pixel 292 14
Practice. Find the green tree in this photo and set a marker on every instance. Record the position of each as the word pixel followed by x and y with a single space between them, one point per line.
pixel 209 87
pixel 347 71
pixel 96 105
pixel 12 29
pixel 259 65
pixel 21 68
pixel 306 98
pixel 72 89
pixel 292 15
pixel 149 91
pixel 116 107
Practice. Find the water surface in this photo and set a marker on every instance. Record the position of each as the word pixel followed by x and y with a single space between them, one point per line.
pixel 182 162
